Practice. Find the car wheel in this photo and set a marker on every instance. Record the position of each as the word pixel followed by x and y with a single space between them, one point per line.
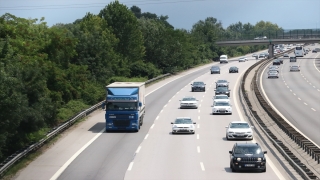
pixel 230 113
pixel 193 132
pixel 191 90
pixel 265 169
pixel 232 169
pixel 172 132
pixel 204 89
pixel 227 137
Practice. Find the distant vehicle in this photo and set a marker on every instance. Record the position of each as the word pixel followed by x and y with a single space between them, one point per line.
pixel 221 97
pixel 189 102
pixel 239 130
pixel 222 83
pixel 222 107
pixel 124 106
pixel 281 60
pixel 294 68
pixel 293 59
pixel 223 59
pixel 247 156
pixel 183 125
pixel 262 55
pixel 285 55
pixel 276 62
pixel 215 70
pixel 222 90
pixel 314 51
pixel 254 55
pixel 299 51
pixel 233 69
pixel 198 86
pixel 261 38
pixel 273 74
pixel 242 59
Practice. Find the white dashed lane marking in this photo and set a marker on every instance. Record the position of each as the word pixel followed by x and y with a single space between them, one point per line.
pixel 305 103
pixel 198 136
pixel 146 136
pixel 138 150
pixel 202 166
pixel 130 166
pixel 198 149
pixel 313 109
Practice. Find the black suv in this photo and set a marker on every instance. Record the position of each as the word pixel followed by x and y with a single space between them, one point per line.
pixel 198 86
pixel 293 59
pixel 215 70
pixel 276 62
pixel 247 156
pixel 222 90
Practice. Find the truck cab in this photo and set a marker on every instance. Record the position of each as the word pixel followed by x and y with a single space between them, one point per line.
pixel 124 106
pixel 223 59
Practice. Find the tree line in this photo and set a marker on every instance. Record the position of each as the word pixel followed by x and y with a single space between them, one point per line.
pixel 47 74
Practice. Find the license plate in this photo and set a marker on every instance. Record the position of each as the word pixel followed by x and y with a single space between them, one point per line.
pixel 240 135
pixel 249 165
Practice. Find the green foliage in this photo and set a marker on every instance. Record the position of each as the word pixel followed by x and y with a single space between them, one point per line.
pixel 70 109
pixel 125 79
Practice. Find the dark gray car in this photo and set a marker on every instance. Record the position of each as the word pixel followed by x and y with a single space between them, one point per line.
pixel 222 90
pixel 215 70
pixel 198 86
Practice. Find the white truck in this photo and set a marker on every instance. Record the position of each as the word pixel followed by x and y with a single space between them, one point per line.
pixel 223 59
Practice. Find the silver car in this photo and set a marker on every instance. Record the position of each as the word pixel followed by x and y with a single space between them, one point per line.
pixel 189 102
pixel 239 130
pixel 183 125
pixel 294 68
pixel 273 74
pixel 222 107
pixel 242 59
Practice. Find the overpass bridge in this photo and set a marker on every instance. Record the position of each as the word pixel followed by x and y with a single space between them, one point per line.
pixel 270 38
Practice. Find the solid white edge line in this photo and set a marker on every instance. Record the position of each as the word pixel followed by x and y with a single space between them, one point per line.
pixel 138 150
pixel 202 166
pixel 130 166
pixel 278 112
pixel 152 126
pixel 65 165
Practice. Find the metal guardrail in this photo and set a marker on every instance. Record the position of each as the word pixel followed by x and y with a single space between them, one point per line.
pixel 291 132
pixel 11 160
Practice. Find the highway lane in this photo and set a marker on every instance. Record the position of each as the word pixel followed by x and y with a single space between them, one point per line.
pixel 297 95
pixel 203 155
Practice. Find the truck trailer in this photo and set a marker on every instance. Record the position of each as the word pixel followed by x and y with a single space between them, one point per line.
pixel 124 106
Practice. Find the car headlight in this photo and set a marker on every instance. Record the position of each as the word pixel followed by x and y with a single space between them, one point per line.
pixel 134 124
pixel 249 132
pixel 238 159
pixel 112 116
pixel 131 117
pixel 259 159
pixel 230 132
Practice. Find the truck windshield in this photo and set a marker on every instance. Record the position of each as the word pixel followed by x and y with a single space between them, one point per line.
pixel 122 106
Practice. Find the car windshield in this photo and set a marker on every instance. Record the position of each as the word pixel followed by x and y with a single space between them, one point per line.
pixel 198 83
pixel 222 81
pixel 214 67
pixel 247 150
pixel 222 89
pixel 272 72
pixel 233 67
pixel 221 97
pixel 222 104
pixel 188 99
pixel 122 106
pixel 294 67
pixel 239 125
pixel 183 121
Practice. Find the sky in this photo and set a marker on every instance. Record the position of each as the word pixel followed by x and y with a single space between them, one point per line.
pixel 288 14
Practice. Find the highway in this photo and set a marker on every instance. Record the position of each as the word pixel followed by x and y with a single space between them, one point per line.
pixel 296 95
pixel 154 153
pixel 85 152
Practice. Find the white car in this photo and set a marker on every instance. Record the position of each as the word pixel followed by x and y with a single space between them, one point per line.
pixel 239 130
pixel 183 125
pixel 221 97
pixel 222 107
pixel 242 59
pixel 189 102
pixel 273 74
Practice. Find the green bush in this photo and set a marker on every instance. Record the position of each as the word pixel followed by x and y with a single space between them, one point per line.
pixel 70 109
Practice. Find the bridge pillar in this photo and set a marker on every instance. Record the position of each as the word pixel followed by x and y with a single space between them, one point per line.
pixel 271 50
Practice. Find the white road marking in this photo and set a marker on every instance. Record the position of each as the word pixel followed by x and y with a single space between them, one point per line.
pixel 161 110
pixel 138 150
pixel 290 90
pixel 299 99
pixel 165 105
pixel 313 109
pixel 169 100
pixel 157 117
pixel 198 149
pixel 203 96
pixel 294 94
pixel 199 110
pixel 177 92
pixel 152 126
pixel 318 89
pixel 314 87
pixel 198 126
pixel 198 117
pixel 146 136
pixel 130 166
pixel 198 136
pixel 65 165
pixel 202 166
pixel 201 100
pixel 287 86
pixel 305 103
